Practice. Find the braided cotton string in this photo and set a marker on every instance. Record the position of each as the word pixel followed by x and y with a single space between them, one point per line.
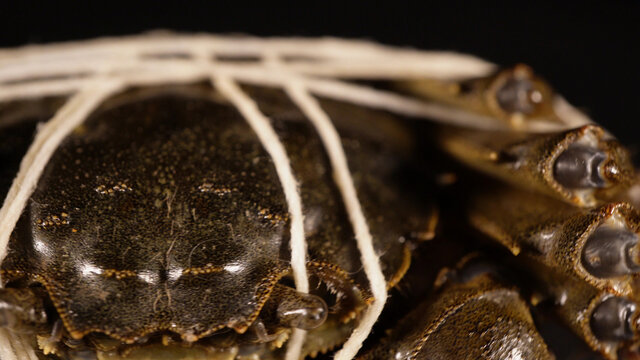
pixel 342 176
pixel 21 344
pixel 15 347
pixel 33 163
pixel 72 114
pixel 6 349
pixel 269 139
pixel 92 71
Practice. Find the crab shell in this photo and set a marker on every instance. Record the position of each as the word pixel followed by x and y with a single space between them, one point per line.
pixel 163 212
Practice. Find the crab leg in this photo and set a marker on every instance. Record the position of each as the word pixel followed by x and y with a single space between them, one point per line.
pixel 514 95
pixel 460 319
pixel 581 166
pixel 586 260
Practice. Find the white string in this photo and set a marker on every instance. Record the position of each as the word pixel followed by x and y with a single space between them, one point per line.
pixel 156 73
pixel 270 141
pixel 344 181
pixel 571 116
pixel 6 348
pixel 325 57
pixel 121 63
pixel 22 347
pixel 73 113
pixel 328 57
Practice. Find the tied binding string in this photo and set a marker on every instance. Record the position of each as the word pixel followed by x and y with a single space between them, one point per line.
pixel 89 72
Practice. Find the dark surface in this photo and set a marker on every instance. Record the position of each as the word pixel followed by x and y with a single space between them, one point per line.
pixel 174 212
pixel 587 49
pixel 164 212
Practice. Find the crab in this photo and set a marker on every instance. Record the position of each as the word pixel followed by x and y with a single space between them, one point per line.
pixel 183 236
pixel 202 197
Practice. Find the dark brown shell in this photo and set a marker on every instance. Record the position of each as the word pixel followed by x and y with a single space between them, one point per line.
pixel 164 212
pixel 433 329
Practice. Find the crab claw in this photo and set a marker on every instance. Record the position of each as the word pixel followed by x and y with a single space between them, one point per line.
pixel 516 91
pixel 580 167
pixel 611 252
pixel 612 319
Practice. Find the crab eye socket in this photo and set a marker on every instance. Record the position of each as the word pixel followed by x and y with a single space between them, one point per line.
pixel 610 252
pixel 579 167
pixel 518 95
pixel 611 320
pixel 306 312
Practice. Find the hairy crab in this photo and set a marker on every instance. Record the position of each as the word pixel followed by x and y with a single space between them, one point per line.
pixel 202 197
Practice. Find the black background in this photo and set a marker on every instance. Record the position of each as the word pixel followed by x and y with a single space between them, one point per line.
pixel 588 50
